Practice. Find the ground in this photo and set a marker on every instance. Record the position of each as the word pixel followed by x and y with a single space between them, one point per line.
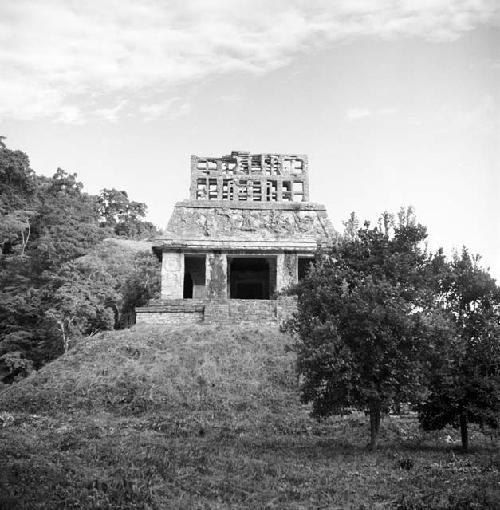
pixel 207 417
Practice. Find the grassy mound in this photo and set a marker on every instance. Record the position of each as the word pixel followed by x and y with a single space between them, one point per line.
pixel 188 377
pixel 208 417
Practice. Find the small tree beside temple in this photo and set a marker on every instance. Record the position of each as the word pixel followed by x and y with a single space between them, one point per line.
pixel 464 386
pixel 360 322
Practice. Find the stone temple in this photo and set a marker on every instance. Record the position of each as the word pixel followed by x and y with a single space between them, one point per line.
pixel 247 232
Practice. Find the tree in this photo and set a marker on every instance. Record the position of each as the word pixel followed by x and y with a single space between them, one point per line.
pixel 134 273
pixel 360 322
pixel 54 285
pixel 67 225
pixel 83 301
pixel 15 229
pixel 141 285
pixel 465 382
pixel 124 216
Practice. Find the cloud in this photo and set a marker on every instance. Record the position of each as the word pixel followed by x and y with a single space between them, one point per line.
pixel 357 113
pixel 69 60
pixel 231 98
pixel 111 114
pixel 171 108
pixel 354 114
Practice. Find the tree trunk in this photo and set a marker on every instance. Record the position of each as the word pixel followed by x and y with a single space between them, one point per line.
pixel 64 336
pixel 464 432
pixel 374 425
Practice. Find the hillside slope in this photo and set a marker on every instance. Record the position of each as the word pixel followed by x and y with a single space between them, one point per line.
pixel 209 417
pixel 185 378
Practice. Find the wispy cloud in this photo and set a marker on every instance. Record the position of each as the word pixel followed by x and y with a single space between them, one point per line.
pixel 111 114
pixel 69 60
pixel 230 98
pixel 357 113
pixel 354 114
pixel 171 108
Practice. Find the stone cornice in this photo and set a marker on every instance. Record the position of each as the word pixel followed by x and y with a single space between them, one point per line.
pixel 257 206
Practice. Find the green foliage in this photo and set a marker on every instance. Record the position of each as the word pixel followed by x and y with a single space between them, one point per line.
pixel 465 383
pixel 67 224
pixel 82 300
pixel 132 272
pixel 51 290
pixel 15 365
pixel 141 285
pixel 360 322
pixel 123 216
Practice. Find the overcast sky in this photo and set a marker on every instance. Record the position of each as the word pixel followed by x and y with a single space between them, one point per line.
pixel 395 102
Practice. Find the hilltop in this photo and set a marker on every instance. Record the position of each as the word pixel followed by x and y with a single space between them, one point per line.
pixel 210 417
pixel 212 375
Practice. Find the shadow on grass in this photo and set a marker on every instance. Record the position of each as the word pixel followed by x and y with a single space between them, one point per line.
pixel 412 446
pixel 315 448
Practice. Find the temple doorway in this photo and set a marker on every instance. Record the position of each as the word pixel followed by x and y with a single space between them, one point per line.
pixel 251 277
pixel 194 277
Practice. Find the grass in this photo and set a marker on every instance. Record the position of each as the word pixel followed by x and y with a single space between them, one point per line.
pixel 206 417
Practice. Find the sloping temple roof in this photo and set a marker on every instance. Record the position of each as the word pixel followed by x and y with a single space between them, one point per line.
pixel 248 202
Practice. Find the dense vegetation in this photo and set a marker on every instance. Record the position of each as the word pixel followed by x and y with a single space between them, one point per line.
pixel 382 322
pixel 210 417
pixel 59 279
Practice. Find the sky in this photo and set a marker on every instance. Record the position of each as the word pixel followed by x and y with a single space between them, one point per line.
pixel 396 103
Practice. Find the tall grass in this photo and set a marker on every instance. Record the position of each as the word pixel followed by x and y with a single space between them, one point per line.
pixel 209 417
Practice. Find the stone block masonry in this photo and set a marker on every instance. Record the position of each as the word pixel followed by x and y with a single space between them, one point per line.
pixel 235 311
pixel 242 176
pixel 177 311
pixel 169 318
pixel 246 234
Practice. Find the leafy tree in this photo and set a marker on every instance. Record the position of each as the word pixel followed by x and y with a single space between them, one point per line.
pixel 142 284
pixel 17 197
pixel 67 225
pixel 124 216
pixel 360 321
pixel 24 331
pixel 15 230
pixel 134 272
pixel 465 383
pixel 58 280
pixel 17 179
pixel 50 291
pixel 83 301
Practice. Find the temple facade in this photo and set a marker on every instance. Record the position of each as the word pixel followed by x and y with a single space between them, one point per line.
pixel 247 232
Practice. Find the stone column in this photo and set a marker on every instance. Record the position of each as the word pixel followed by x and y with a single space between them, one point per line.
pixel 216 277
pixel 272 276
pixel 194 168
pixel 172 275
pixel 286 270
pixel 279 190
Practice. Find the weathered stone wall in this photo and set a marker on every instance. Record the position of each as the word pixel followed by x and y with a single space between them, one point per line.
pixel 194 219
pixel 172 274
pixel 174 318
pixel 217 276
pixel 233 311
pixel 236 311
pixel 287 270
pixel 287 306
pixel 250 177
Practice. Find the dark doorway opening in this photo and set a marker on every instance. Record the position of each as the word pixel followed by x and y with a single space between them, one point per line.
pixel 187 292
pixel 251 278
pixel 194 277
